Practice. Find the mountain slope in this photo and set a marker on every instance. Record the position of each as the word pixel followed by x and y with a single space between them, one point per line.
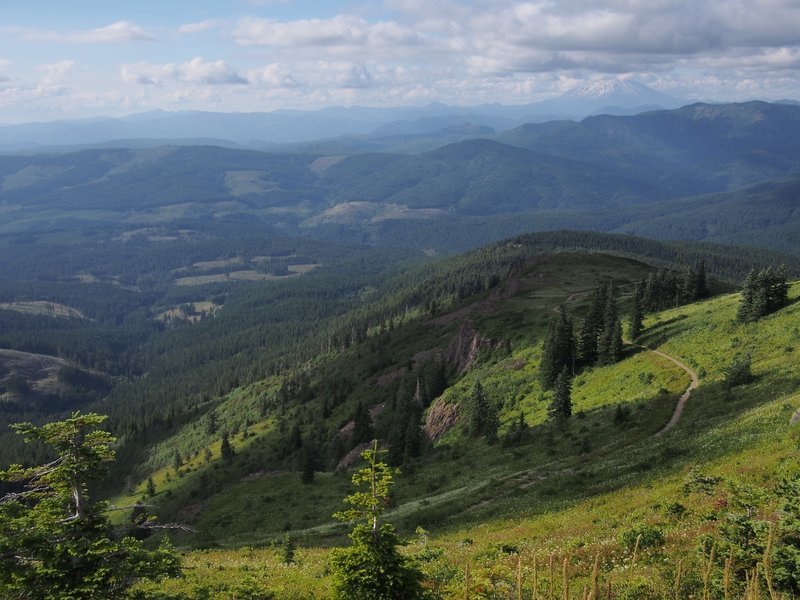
pixel 577 492
pixel 701 147
pixel 494 336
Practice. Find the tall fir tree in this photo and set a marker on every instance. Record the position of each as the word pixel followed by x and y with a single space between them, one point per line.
pixel 309 460
pixel 637 314
pixel 362 429
pixel 763 293
pixel 558 350
pixel 482 415
pixel 561 405
pixel 701 284
pixel 591 328
pixel 226 449
pixel 609 345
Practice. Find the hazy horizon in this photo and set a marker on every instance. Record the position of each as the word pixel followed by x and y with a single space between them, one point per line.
pixel 89 59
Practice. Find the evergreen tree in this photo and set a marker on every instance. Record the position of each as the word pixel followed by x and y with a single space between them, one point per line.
pixel 701 284
pixel 686 286
pixel 372 568
pixel 436 378
pixel 591 328
pixel 287 548
pixel 295 440
pixel 413 438
pixel 616 346
pixel 739 371
pixel 561 405
pixel 547 362
pixel 609 346
pixel 55 541
pixel 211 422
pixel 763 293
pixel 558 350
pixel 748 291
pixel 309 461
pixel 362 429
pixel 151 487
pixel 637 314
pixel 482 414
pixel 226 449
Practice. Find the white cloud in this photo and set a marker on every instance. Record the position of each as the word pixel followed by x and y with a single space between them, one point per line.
pixel 198 27
pixel 55 72
pixel 412 51
pixel 195 71
pixel 317 75
pixel 119 31
pixel 345 31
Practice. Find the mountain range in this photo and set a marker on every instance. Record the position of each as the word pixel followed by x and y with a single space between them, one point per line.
pixel 292 126
pixel 613 173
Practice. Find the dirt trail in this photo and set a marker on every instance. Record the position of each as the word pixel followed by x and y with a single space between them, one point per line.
pixel 682 400
pixel 529 477
pixel 676 415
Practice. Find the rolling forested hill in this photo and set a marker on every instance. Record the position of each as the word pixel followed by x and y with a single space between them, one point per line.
pixel 603 173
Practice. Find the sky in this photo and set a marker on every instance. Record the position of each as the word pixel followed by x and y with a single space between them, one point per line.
pixel 77 59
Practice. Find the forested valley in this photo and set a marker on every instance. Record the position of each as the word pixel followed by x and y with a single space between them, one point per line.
pixel 246 374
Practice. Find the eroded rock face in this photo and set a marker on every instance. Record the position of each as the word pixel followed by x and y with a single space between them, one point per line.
pixel 463 350
pixel 353 457
pixel 795 418
pixel 440 419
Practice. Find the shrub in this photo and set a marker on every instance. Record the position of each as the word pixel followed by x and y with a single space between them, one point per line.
pixel 739 371
pixel 649 536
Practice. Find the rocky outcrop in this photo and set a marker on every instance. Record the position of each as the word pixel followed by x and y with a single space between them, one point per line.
pixel 353 457
pixel 440 419
pixel 387 378
pixel 463 350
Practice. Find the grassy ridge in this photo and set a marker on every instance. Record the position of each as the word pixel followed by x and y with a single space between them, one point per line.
pixel 546 498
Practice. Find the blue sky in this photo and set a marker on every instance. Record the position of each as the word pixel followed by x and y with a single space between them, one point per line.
pixel 84 58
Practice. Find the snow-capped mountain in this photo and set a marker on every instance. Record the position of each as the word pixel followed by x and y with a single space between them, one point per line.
pixel 621 92
pixel 612 96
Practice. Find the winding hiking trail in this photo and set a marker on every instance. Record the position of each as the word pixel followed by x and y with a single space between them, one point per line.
pixel 676 415
pixel 527 478
pixel 683 399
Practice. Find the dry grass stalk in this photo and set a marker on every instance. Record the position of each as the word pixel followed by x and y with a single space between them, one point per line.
pixel 707 575
pixel 767 563
pixel 753 588
pixel 726 576
pixel 466 578
pixel 552 570
pixel 519 577
pixel 636 550
pixel 535 579
pixel 678 580
pixel 608 595
pixel 595 593
pixel 565 578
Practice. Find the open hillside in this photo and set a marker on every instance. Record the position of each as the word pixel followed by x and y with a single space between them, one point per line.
pixel 609 487
pixel 275 404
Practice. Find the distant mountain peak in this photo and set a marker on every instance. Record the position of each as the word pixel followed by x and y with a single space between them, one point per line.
pixel 615 91
pixel 599 88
